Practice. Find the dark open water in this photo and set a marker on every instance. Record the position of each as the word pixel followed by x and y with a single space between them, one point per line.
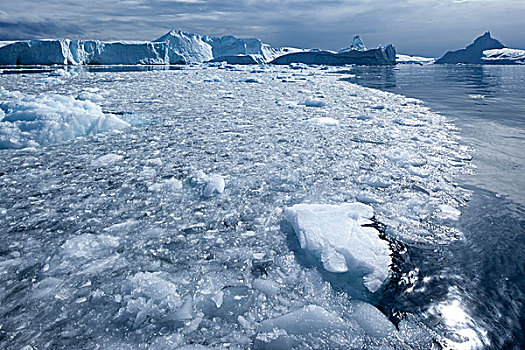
pixel 482 284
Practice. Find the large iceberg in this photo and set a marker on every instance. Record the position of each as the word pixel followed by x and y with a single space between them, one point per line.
pixel 338 235
pixel 472 53
pixel 78 52
pixel 196 48
pixel 355 54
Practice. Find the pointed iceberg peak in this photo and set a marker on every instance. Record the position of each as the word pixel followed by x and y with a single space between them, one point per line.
pixel 472 53
pixel 357 44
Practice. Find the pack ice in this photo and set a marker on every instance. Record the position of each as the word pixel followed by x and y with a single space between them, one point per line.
pixel 174 234
pixel 337 235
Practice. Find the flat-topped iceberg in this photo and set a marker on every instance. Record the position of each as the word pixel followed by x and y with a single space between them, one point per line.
pixel 408 59
pixel 355 54
pixel 484 50
pixel 79 52
pixel 504 56
pixel 339 237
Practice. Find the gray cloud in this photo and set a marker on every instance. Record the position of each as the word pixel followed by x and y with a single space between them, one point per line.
pixel 425 27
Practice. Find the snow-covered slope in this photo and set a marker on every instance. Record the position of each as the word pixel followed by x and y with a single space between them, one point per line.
pixel 504 56
pixel 472 53
pixel 407 59
pixel 65 51
pixel 196 48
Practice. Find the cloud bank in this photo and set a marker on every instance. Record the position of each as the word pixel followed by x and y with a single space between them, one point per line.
pixel 424 27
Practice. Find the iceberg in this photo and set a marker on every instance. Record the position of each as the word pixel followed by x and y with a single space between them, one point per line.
pixel 503 56
pixel 80 52
pixel 408 59
pixel 355 54
pixel 357 44
pixel 196 48
pixel 472 53
pixel 339 236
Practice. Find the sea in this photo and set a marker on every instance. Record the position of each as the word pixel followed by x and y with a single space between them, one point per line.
pixel 485 271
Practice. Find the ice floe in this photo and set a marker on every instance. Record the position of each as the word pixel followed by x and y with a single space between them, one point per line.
pixel 337 235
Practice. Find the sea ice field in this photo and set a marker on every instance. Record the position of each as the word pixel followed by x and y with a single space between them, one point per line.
pixel 222 207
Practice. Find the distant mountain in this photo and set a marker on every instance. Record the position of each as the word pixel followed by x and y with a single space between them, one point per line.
pixel 472 53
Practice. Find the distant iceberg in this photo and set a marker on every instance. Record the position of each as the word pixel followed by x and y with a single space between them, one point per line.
pixel 178 47
pixel 79 52
pixel 379 56
pixel 196 48
pixel 357 44
pixel 407 59
pixel 504 56
pixel 484 50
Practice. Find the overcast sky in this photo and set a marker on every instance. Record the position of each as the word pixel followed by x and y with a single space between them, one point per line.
pixel 423 27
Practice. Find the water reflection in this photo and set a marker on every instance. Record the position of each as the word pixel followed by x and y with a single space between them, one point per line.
pixel 475 287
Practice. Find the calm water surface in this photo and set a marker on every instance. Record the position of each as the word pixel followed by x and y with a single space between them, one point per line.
pixel 478 283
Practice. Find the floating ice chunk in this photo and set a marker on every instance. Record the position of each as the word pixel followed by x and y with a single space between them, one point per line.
pixel 229 302
pixel 448 212
pixel 307 320
pixel 404 157
pixel 30 120
pixel 46 287
pixel 59 73
pixel 91 96
pixel 85 254
pixel 148 294
pixel 214 183
pixel 122 228
pixel 167 185
pixel 106 160
pixel 336 234
pixel 371 320
pixel 89 245
pixel 368 198
pixel 155 162
pixel 288 331
pixel 325 121
pixel 314 102
pixel 476 97
pixel 267 286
